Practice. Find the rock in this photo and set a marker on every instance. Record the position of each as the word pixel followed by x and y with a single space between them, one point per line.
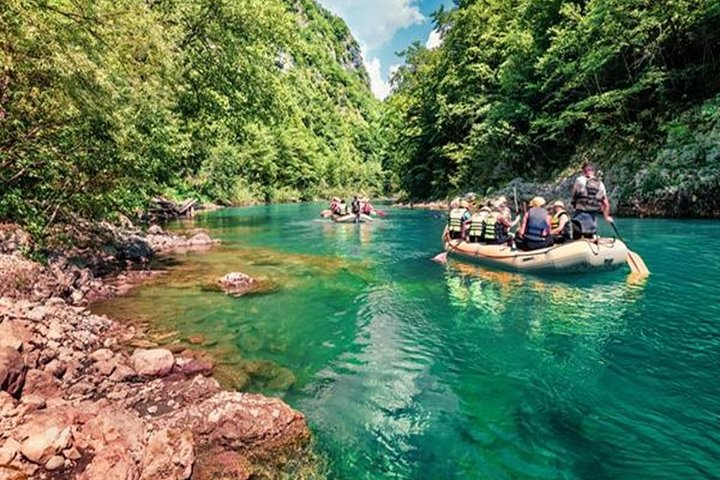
pixel 101 355
pixel 168 455
pixel 197 364
pixel 55 462
pixel 72 454
pixel 7 406
pixel 155 230
pixel 9 451
pixel 241 421
pixel 56 368
pixel 219 464
pixel 41 444
pixel 237 283
pixel 117 437
pixel 13 335
pixel 122 373
pixel 200 238
pixel 152 363
pixel 105 367
pixel 41 383
pixel 32 402
pixel 12 473
pixel 196 339
pixel 12 371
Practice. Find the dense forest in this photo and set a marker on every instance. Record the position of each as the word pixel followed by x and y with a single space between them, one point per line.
pixel 527 88
pixel 104 103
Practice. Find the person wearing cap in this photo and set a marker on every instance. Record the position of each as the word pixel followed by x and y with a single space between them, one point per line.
pixel 589 198
pixel 477 220
pixel 560 225
pixel 458 220
pixel 535 230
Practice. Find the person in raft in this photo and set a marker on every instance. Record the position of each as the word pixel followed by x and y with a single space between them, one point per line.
pixel 458 219
pixel 335 206
pixel 477 221
pixel 589 198
pixel 356 205
pixel 367 207
pixel 497 225
pixel 534 233
pixel 560 225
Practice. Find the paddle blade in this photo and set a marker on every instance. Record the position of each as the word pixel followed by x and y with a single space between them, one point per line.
pixel 381 213
pixel 637 264
pixel 441 258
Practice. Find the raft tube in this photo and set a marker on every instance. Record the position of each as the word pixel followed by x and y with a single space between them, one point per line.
pixel 576 256
pixel 352 218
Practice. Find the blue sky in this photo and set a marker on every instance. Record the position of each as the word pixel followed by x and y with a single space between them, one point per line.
pixel 384 27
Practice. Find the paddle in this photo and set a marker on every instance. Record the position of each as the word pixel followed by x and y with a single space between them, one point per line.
pixel 442 257
pixel 635 262
pixel 381 213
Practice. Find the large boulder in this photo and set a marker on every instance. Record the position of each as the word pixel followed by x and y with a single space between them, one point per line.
pixel 241 421
pixel 45 434
pixel 12 371
pixel 42 384
pixel 156 362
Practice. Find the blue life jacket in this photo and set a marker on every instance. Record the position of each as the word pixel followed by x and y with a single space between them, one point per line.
pixel 537 227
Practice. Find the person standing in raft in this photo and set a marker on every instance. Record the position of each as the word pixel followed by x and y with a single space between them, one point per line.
pixel 560 225
pixel 535 230
pixel 589 198
pixel 458 220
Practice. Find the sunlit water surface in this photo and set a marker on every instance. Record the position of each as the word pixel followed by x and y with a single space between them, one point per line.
pixel 409 369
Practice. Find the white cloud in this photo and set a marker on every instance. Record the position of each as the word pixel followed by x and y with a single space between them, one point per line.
pixel 434 40
pixel 380 88
pixel 375 22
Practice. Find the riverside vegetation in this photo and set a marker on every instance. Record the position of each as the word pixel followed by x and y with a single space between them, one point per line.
pixel 104 104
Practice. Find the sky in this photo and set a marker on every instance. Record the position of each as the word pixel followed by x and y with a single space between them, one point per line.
pixel 385 27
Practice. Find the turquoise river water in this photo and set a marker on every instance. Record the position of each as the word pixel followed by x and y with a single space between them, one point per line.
pixel 407 369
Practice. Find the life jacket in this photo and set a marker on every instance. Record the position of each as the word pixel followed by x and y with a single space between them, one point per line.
pixel 356 207
pixel 536 229
pixel 555 223
pixel 476 224
pixel 367 208
pixel 335 208
pixel 589 198
pixel 492 228
pixel 455 221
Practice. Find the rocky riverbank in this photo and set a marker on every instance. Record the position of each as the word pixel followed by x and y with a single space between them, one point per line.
pixel 80 398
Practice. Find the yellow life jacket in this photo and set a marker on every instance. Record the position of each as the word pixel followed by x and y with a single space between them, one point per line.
pixel 455 224
pixel 490 227
pixel 476 223
pixel 555 223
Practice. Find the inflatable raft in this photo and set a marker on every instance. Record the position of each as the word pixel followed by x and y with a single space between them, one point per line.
pixel 577 256
pixel 352 218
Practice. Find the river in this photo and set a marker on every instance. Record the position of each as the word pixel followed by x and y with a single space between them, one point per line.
pixel 407 369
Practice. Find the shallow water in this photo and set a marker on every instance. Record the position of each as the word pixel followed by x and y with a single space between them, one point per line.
pixel 408 369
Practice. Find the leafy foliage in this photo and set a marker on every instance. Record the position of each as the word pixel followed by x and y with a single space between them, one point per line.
pixel 521 87
pixel 105 103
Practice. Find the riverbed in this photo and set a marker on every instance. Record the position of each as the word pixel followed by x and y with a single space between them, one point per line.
pixel 407 369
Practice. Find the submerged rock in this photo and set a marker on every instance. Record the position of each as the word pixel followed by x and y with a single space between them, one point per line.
pixel 239 284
